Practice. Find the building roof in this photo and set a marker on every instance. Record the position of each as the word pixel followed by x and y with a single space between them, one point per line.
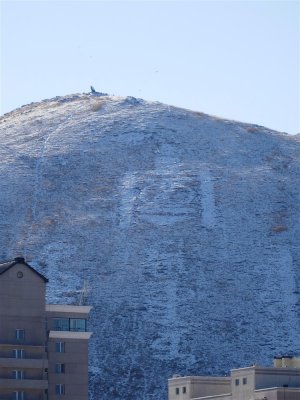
pixel 267 370
pixel 200 378
pixel 5 266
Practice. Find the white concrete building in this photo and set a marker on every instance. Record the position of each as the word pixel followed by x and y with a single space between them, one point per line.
pixel 281 382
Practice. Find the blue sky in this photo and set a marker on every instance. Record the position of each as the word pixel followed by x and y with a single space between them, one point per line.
pixel 234 59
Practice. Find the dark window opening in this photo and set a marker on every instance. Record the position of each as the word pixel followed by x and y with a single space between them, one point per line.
pixel 19 396
pixel 60 347
pixel 61 324
pixel 18 353
pixel 18 374
pixel 20 335
pixel 77 325
pixel 60 368
pixel 60 389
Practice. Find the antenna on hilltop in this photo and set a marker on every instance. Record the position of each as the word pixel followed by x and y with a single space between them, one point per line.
pixel 83 293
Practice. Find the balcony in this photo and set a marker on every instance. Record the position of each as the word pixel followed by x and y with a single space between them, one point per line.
pixel 69 324
pixel 9 351
pixel 23 384
pixel 21 363
pixel 6 396
pixel 58 335
pixel 17 344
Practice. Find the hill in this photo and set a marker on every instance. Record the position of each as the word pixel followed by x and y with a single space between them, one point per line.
pixel 185 225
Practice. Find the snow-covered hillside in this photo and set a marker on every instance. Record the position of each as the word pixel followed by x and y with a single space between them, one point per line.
pixel 185 225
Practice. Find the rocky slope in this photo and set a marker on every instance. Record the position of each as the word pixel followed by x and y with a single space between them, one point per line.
pixel 186 227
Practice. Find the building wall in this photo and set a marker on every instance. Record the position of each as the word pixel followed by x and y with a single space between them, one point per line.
pixel 75 355
pixel 278 394
pixel 75 375
pixel 197 387
pixel 176 387
pixel 243 383
pixel 262 378
pixel 286 362
pixel 30 395
pixel 273 377
pixel 22 306
pixel 216 397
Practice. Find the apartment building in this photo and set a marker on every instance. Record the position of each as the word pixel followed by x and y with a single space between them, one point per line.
pixel 43 348
pixel 281 382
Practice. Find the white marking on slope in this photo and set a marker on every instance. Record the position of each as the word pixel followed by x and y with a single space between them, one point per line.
pixel 37 183
pixel 129 195
pixel 207 199
pixel 286 278
pixel 37 180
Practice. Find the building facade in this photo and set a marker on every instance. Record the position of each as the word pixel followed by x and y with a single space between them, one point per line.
pixel 43 348
pixel 281 382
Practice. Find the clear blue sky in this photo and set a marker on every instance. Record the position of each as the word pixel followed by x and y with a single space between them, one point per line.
pixel 234 59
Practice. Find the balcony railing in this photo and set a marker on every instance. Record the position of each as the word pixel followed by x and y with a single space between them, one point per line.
pixel 23 384
pixel 22 343
pixel 70 324
pixel 65 329
pixel 31 397
pixel 26 354
pixel 38 363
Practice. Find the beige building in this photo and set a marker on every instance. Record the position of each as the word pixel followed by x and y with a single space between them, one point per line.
pixel 281 382
pixel 43 348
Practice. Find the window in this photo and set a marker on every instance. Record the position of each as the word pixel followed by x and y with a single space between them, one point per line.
pixel 237 382
pixel 18 353
pixel 177 390
pixel 184 389
pixel 70 324
pixel 60 347
pixel 18 374
pixel 77 325
pixel 61 324
pixel 19 396
pixel 20 334
pixel 60 389
pixel 60 368
pixel 244 381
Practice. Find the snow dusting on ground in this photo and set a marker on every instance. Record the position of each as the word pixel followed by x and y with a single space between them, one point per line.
pixel 185 225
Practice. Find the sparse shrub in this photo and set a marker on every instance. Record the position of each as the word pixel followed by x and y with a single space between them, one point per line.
pixel 251 129
pixel 48 221
pixel 97 105
pixel 52 105
pixel 199 114
pixel 279 228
